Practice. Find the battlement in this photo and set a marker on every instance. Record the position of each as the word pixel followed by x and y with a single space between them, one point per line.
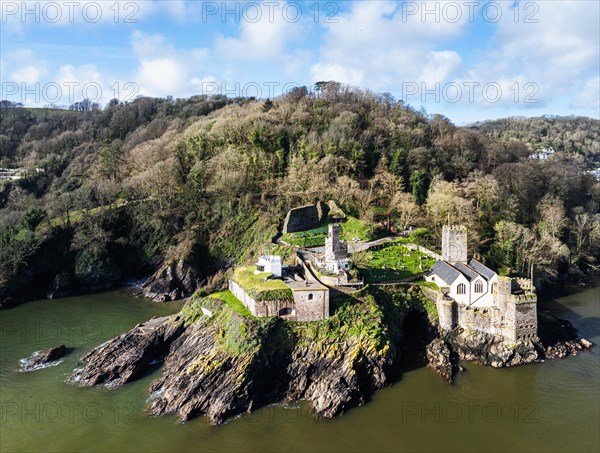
pixel 523 298
pixel 455 229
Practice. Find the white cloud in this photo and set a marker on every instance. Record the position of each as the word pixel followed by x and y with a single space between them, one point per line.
pixel 161 76
pixel 589 96
pixel 28 74
pixel 262 37
pixel 336 72
pixel 379 45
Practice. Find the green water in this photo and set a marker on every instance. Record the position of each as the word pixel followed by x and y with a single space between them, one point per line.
pixel 552 406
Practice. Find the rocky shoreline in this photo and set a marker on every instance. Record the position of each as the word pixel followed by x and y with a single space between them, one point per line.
pixel 557 339
pixel 220 364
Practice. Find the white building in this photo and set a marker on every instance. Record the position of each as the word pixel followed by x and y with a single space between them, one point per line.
pixel 269 263
pixel 468 281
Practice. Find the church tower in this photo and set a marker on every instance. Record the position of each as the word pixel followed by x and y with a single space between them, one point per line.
pixel 454 243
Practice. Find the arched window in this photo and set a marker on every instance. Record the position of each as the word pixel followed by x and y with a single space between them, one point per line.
pixel 461 289
pixel 310 296
pixel 478 287
pixel 286 311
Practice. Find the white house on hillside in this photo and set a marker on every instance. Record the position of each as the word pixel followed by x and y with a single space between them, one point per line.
pixel 269 263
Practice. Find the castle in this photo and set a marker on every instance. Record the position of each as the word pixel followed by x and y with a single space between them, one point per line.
pixel 270 289
pixel 474 297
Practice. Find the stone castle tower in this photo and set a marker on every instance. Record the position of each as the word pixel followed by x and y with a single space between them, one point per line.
pixel 454 243
pixel 335 249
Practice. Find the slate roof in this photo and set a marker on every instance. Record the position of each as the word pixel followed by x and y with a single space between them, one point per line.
pixel 481 269
pixel 445 271
pixel 469 273
pixel 450 272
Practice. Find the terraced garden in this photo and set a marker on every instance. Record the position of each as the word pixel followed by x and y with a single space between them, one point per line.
pixel 394 262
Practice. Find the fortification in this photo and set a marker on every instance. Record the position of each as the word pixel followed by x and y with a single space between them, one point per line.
pixel 295 297
pixel 305 217
pixel 454 243
pixel 474 297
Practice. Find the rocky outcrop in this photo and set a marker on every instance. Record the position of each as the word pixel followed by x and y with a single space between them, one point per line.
pixel 173 281
pixel 41 359
pixel 220 364
pixel 442 360
pixel 557 339
pixel 491 350
pixel 124 358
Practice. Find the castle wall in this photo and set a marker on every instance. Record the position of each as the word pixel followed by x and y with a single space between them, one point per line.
pixel 261 308
pixel 526 319
pixel 304 217
pixel 311 309
pixel 452 314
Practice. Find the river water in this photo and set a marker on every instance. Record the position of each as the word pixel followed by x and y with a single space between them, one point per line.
pixel 552 406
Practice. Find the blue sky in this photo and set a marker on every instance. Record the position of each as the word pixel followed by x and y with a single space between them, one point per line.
pixel 468 60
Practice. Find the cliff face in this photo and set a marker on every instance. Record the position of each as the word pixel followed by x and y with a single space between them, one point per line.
pixel 223 364
pixel 220 364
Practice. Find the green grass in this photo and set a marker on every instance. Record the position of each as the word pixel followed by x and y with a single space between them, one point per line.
pixel 256 286
pixel 394 262
pixel 233 302
pixel 76 216
pixel 426 284
pixel 353 229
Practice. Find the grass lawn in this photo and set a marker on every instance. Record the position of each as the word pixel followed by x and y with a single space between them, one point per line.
pixel 353 229
pixel 426 284
pixel 233 302
pixel 394 262
pixel 258 288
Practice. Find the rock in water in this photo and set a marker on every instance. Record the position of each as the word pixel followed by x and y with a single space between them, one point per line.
pixel 438 359
pixel 124 358
pixel 41 359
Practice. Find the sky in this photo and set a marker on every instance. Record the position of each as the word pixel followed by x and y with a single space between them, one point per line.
pixel 468 60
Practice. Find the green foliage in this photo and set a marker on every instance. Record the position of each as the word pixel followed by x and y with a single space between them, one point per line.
pixel 394 262
pixel 233 302
pixel 224 172
pixel 352 229
pixel 261 286
pixel 419 181
pixel 33 217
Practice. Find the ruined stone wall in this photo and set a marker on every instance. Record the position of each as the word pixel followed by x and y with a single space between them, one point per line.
pixel 275 307
pixel 483 319
pixel 304 217
pixel 308 309
pixel 238 292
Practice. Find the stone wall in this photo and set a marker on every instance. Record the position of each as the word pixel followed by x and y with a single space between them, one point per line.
pixel 301 308
pixel 304 217
pixel 454 243
pixel 311 309
pixel 526 320
pixel 262 307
